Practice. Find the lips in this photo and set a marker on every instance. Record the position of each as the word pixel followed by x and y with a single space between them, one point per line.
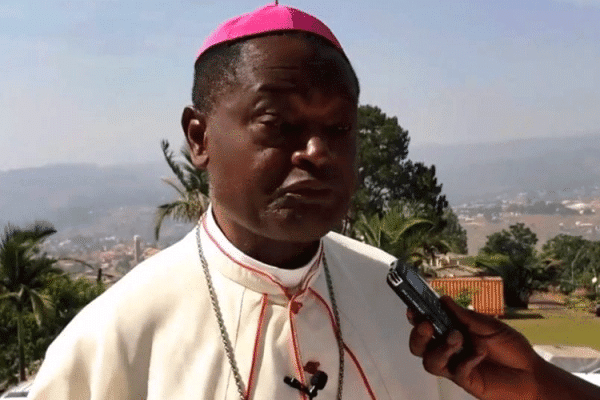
pixel 308 192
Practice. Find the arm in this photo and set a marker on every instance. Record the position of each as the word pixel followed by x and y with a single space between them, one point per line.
pixel 502 366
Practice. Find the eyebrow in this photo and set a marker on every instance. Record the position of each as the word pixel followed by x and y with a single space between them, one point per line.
pixel 276 87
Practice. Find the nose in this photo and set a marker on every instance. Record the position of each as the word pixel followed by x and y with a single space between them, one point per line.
pixel 316 151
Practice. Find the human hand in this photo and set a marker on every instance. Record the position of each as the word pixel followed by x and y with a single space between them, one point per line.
pixel 500 365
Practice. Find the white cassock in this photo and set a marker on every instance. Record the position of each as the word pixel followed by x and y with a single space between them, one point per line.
pixel 154 334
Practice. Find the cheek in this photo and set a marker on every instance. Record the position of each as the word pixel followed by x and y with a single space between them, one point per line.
pixel 269 168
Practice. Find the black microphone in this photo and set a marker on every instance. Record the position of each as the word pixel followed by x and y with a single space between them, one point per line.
pixel 317 382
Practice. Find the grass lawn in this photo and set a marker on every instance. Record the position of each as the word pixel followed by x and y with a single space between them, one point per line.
pixel 558 327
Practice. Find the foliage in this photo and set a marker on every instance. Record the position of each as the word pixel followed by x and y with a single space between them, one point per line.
pixel 68 297
pixel 453 232
pixel 397 233
pixel 511 255
pixel 571 261
pixel 518 243
pixel 384 172
pixel 580 303
pixel 22 271
pixel 391 182
pixel 464 298
pixel 191 186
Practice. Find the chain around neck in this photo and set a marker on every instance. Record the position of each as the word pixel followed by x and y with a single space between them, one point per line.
pixel 225 336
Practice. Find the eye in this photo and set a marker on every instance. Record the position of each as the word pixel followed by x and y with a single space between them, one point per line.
pixel 279 126
pixel 270 121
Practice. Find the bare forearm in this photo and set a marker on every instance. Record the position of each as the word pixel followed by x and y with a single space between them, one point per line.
pixel 558 384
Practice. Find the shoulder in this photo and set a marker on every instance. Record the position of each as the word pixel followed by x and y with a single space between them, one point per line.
pixel 156 279
pixel 108 341
pixel 355 253
pixel 361 268
pixel 144 297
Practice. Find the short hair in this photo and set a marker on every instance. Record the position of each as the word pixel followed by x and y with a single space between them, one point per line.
pixel 216 69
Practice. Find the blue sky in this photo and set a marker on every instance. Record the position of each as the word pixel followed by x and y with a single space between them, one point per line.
pixel 104 81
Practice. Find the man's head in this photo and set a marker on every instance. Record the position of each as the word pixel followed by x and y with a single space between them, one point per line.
pixel 274 124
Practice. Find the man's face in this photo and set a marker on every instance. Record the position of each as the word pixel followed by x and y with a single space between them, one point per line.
pixel 281 144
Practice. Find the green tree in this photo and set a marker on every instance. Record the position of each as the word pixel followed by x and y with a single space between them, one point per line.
pixel 406 233
pixel 68 296
pixel 453 232
pixel 22 271
pixel 385 173
pixel 388 180
pixel 191 186
pixel 511 255
pixel 396 233
pixel 571 260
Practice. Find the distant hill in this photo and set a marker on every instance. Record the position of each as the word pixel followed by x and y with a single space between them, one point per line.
pixel 557 166
pixel 75 197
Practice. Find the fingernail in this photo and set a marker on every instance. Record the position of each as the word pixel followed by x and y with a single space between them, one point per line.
pixel 454 338
pixel 422 329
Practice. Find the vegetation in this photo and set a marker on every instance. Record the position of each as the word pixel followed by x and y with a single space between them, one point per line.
pixel 399 201
pixel 22 272
pixel 191 186
pixel 36 300
pixel 571 262
pixel 511 254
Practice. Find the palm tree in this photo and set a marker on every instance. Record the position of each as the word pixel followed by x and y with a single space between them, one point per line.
pixel 191 186
pixel 22 272
pixel 396 233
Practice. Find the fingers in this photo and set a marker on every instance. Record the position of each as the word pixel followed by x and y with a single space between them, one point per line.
pixel 411 316
pixel 437 360
pixel 464 371
pixel 420 337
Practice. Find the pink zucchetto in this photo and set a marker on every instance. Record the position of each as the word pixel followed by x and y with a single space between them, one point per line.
pixel 270 18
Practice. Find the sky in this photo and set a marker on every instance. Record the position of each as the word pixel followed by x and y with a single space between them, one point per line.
pixel 104 81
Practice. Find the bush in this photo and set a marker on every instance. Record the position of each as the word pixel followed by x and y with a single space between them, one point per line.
pixel 464 298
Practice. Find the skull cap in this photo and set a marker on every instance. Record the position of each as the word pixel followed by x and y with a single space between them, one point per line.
pixel 270 18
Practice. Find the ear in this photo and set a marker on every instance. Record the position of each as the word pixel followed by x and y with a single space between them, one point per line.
pixel 194 127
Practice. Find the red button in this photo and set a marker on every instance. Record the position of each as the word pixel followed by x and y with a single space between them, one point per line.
pixel 295 306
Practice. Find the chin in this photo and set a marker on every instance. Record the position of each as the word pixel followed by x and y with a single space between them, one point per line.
pixel 305 228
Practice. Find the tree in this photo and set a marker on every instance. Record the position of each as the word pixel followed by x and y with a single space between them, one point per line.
pixel 384 172
pixel 571 260
pixel 191 186
pixel 396 233
pixel 22 271
pixel 453 232
pixel 68 296
pixel 406 234
pixel 517 246
pixel 388 179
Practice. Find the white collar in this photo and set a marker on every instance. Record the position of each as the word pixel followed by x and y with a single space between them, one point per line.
pixel 284 277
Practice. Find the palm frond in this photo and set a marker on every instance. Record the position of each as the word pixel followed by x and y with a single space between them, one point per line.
pixel 169 158
pixel 42 306
pixel 191 188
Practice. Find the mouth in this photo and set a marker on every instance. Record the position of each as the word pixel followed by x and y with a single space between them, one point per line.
pixel 307 192
pixel 310 196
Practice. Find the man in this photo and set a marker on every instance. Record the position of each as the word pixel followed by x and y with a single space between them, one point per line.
pixel 260 301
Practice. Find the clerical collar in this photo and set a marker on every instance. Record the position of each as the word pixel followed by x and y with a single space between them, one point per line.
pixel 288 278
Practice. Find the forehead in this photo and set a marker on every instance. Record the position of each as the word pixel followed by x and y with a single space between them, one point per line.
pixel 295 62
